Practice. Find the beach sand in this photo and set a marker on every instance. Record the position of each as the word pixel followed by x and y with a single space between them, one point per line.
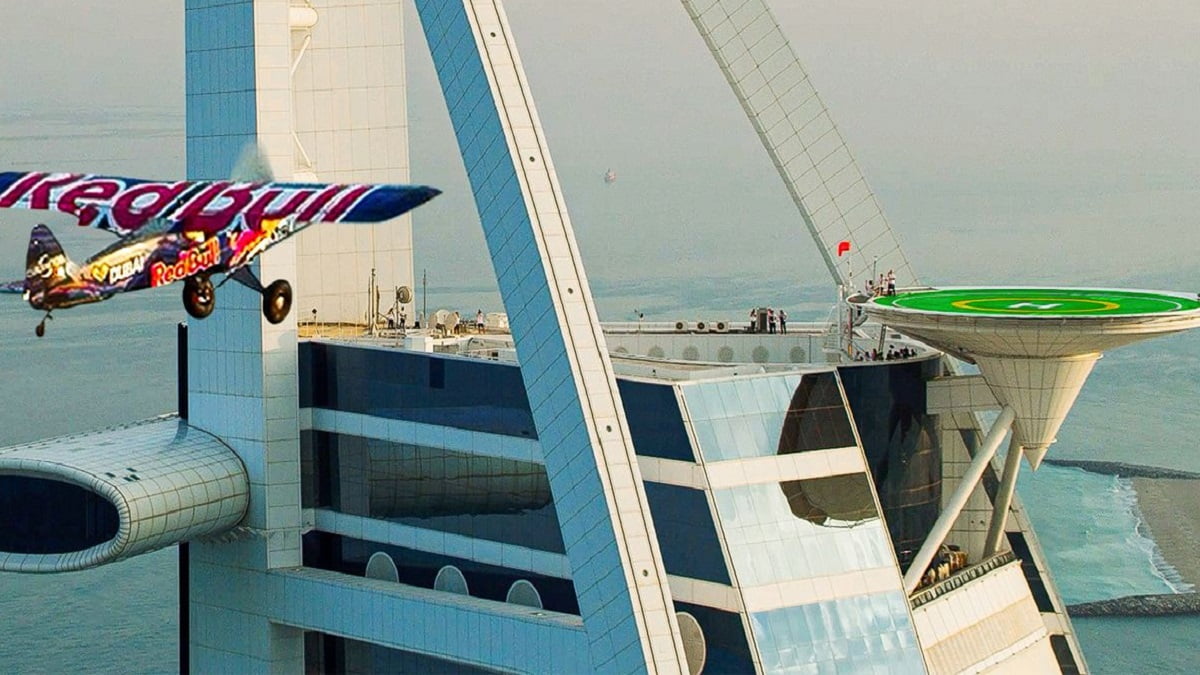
pixel 1171 509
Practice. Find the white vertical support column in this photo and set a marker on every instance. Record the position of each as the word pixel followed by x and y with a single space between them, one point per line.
pixel 601 503
pixel 945 521
pixel 1004 498
pixel 280 387
pixel 242 370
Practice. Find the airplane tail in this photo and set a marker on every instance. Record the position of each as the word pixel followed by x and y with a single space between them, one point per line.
pixel 46 265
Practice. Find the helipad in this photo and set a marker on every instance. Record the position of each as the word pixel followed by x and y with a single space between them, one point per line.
pixel 1034 346
pixel 1039 302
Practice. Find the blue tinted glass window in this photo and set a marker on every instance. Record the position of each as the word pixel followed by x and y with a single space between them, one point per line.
pixel 727 649
pixel 861 634
pixel 655 421
pixel 901 444
pixel 802 529
pixel 432 389
pixel 686 534
pixel 323 550
pixel 477 496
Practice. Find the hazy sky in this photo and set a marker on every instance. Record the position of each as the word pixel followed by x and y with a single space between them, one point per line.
pixel 1007 141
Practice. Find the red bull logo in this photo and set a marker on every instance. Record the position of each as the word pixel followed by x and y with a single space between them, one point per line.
pixel 191 261
pixel 127 204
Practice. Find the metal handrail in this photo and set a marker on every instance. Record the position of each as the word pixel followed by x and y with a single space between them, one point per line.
pixel 961 578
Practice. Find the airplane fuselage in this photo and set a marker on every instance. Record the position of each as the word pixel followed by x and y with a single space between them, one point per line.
pixel 180 231
pixel 154 260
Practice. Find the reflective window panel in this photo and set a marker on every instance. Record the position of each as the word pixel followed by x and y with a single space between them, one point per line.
pixel 763 416
pixel 802 529
pixel 686 533
pixel 327 551
pixel 727 650
pixel 429 388
pixel 655 421
pixel 901 444
pixel 862 634
pixel 484 497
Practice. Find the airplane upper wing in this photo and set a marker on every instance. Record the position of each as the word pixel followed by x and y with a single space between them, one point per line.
pixel 125 205
pixel 13 287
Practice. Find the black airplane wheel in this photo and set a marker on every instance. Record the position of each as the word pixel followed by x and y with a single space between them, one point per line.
pixel 199 296
pixel 277 300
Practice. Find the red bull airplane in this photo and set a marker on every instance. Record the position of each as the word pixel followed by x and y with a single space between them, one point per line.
pixel 180 231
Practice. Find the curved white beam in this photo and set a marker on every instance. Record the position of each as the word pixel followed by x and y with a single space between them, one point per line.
pixel 945 522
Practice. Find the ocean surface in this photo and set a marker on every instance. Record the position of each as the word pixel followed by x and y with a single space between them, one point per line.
pixel 115 362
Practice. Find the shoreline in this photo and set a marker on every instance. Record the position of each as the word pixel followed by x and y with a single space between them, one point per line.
pixel 1123 469
pixel 1163 604
pixel 1168 507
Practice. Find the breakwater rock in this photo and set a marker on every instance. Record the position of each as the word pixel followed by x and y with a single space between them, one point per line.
pixel 1123 469
pixel 1140 605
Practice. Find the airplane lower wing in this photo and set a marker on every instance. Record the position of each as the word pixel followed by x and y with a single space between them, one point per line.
pixel 13 287
pixel 124 205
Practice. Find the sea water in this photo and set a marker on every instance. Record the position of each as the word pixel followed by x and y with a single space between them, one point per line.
pixel 97 366
pixel 1096 543
pixel 114 362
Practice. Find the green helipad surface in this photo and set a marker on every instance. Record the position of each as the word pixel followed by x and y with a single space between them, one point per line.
pixel 1043 302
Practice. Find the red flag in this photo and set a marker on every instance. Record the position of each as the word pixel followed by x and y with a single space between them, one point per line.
pixel 843 247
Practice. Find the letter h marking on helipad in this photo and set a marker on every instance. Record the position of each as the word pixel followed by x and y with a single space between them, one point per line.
pixel 1034 305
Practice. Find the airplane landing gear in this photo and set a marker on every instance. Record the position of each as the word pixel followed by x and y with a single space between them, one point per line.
pixel 40 329
pixel 277 300
pixel 199 296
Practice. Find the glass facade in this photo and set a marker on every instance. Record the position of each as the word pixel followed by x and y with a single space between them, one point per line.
pixel 418 387
pixel 328 551
pixel 737 419
pixel 772 532
pixel 802 529
pixel 901 445
pixel 764 416
pixel 333 654
pixel 655 421
pixel 860 634
pixel 686 533
pixel 476 496
pixel 727 649
pixel 816 417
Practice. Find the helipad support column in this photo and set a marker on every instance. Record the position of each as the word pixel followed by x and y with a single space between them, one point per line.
pixel 607 531
pixel 955 505
pixel 1004 499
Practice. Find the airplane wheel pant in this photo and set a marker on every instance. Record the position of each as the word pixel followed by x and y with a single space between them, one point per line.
pixel 199 296
pixel 277 300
